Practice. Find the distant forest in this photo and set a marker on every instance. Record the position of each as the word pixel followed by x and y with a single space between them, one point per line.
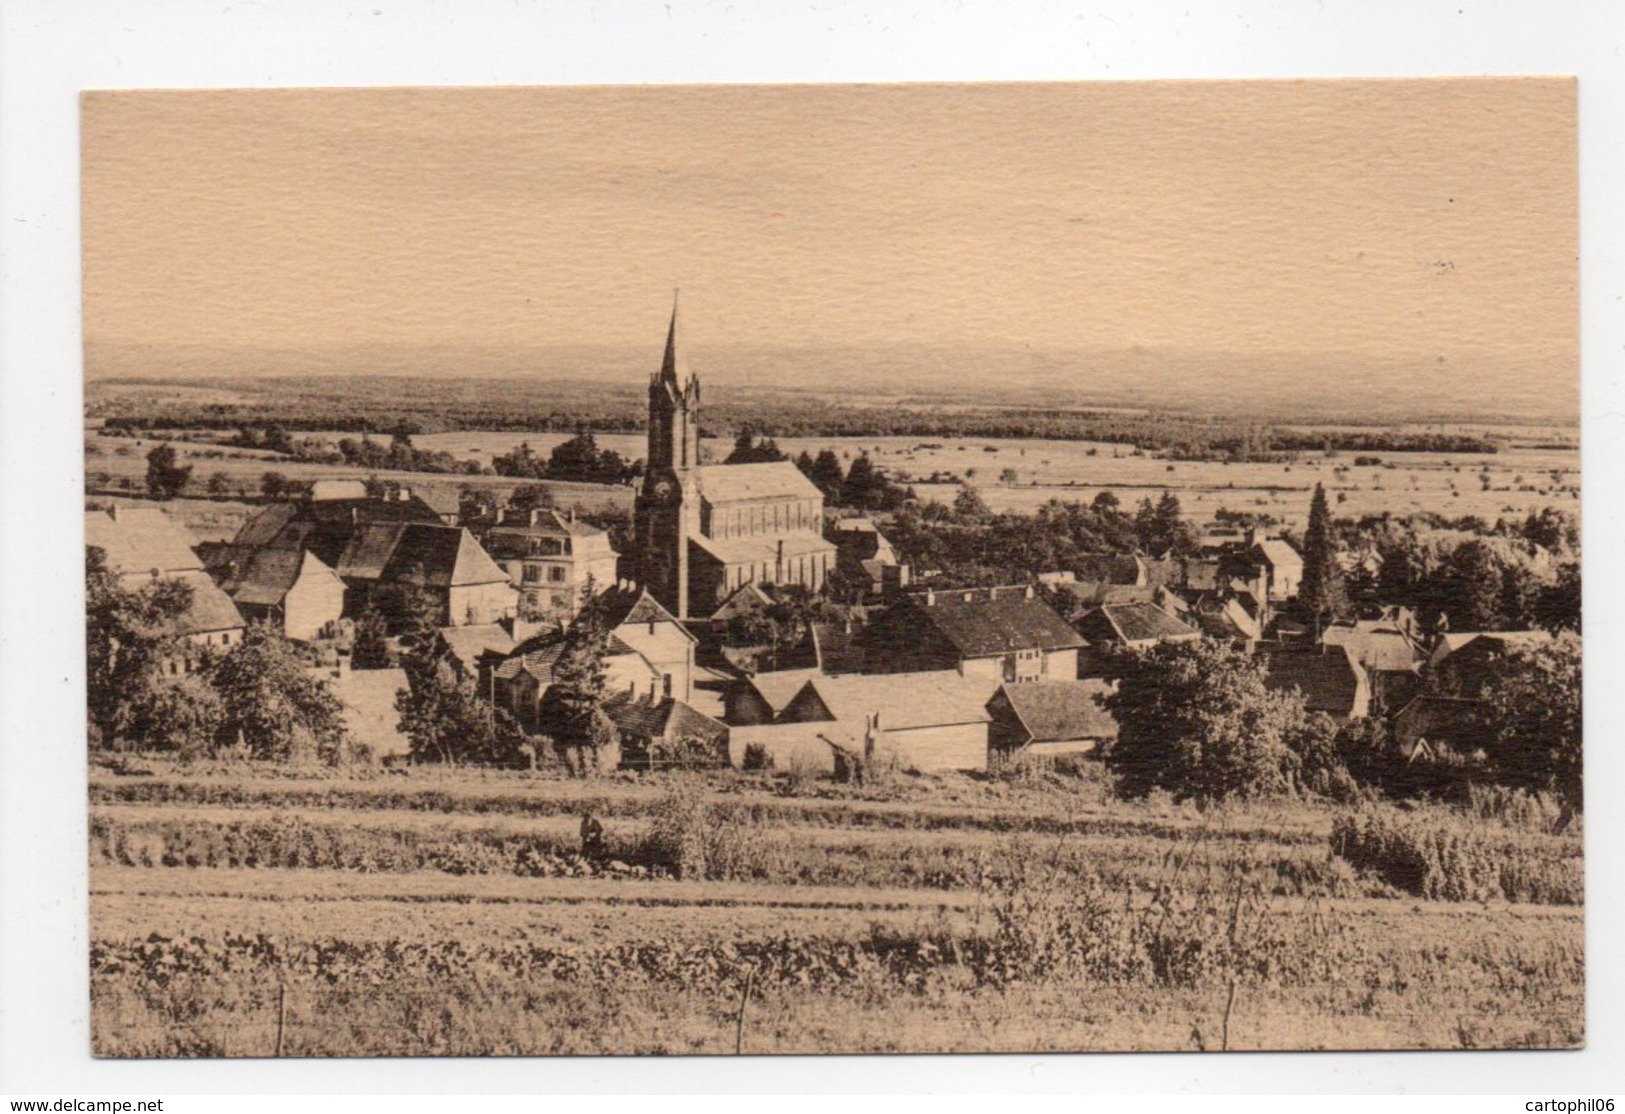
pixel 386 405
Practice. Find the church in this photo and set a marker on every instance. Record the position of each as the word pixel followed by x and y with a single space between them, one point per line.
pixel 705 530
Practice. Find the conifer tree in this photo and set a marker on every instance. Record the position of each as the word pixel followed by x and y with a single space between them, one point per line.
pixel 1320 592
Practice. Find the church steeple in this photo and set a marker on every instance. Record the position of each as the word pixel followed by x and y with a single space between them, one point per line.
pixel 674 368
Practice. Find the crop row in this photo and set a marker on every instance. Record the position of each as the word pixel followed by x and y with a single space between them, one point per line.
pixel 761 810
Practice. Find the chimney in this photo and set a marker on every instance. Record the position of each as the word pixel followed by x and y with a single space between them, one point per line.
pixel 113 510
pixel 930 597
pixel 403 493
pixel 355 515
pixel 572 516
pixel 535 516
pixel 1029 592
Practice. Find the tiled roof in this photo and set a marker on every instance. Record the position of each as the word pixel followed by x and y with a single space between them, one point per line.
pixel 1061 711
pixel 664 719
pixel 1133 622
pixel 138 540
pixel 1278 553
pixel 1112 568
pixel 270 573
pixel 468 644
pixel 980 626
pixel 738 483
pixel 369 550
pixel 1388 650
pixel 441 557
pixel 211 610
pixel 905 701
pixel 621 605
pixel 1329 678
pixel 778 688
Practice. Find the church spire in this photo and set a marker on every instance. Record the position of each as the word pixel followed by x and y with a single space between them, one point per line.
pixel 674 368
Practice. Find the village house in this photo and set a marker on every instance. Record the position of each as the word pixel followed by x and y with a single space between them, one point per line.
pixel 1391 657
pixel 632 615
pixel 444 562
pixel 863 555
pixel 647 723
pixel 291 589
pixel 1131 625
pixel 1282 566
pixel 1464 663
pixel 932 721
pixel 551 558
pixel 1047 718
pixel 141 545
pixel 1329 678
pixel 519 683
pixel 992 634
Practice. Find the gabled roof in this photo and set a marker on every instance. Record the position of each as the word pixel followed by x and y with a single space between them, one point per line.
pixel 211 610
pixel 1133 622
pixel 1329 677
pixel 1113 568
pixel 1278 553
pixel 369 550
pixel 441 557
pixel 622 605
pixel 138 540
pixel 668 718
pixel 271 573
pixel 780 687
pixel 904 701
pixel 469 644
pixel 1060 711
pixel 537 656
pixel 740 483
pixel 984 622
pixel 1387 649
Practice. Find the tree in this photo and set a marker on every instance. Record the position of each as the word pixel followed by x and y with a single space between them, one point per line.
pixel 574 705
pixel 1558 607
pixel 970 504
pixel 1198 720
pixel 219 484
pixel 412 614
pixel 273 704
pixel 166 477
pixel 273 485
pixel 825 472
pixel 1532 710
pixel 529 497
pixel 1472 587
pixel 447 720
pixel 131 636
pixel 1321 592
pixel 370 649
pixel 1105 504
pixel 748 450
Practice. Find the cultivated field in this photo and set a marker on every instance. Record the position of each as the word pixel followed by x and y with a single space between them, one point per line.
pixel 1021 475
pixel 242 911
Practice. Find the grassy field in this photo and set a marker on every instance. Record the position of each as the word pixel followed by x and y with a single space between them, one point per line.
pixel 450 913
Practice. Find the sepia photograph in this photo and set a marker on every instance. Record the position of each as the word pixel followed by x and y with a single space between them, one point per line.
pixel 712 570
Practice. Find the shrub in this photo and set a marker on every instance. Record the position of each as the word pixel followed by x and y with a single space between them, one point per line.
pixel 757 757
pixel 1447 857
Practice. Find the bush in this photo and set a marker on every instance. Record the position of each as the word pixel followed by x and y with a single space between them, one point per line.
pixel 1451 858
pixel 757 757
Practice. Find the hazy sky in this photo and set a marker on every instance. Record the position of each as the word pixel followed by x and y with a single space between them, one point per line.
pixel 1409 221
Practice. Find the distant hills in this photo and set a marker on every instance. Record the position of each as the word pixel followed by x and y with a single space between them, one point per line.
pixel 1323 387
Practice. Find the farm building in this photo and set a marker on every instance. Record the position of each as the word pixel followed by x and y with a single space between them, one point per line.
pixel 990 634
pixel 294 591
pixel 1463 664
pixel 648 723
pixel 1047 718
pixel 1132 625
pixel 762 698
pixel 1328 677
pixel 935 721
pixel 519 683
pixel 865 556
pixel 143 544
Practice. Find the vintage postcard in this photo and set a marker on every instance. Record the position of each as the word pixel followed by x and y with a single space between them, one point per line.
pixel 833 569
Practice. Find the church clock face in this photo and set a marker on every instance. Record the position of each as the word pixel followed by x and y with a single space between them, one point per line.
pixel 662 489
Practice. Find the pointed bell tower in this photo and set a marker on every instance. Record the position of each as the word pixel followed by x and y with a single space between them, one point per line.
pixel 668 504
